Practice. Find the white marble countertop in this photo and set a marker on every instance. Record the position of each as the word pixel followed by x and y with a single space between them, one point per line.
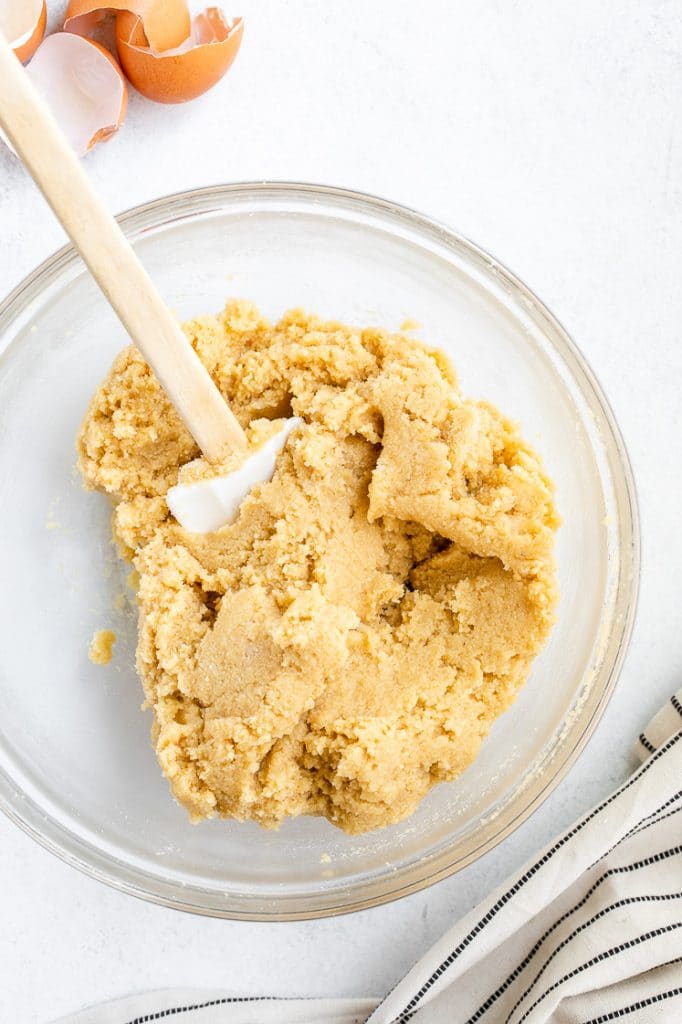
pixel 548 133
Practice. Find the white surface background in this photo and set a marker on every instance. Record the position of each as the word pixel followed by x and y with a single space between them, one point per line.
pixel 549 133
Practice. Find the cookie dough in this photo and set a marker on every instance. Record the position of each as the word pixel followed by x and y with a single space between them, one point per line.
pixel 101 647
pixel 347 643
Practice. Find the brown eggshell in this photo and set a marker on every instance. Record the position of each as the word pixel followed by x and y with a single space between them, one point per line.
pixel 166 22
pixel 23 23
pixel 83 86
pixel 185 72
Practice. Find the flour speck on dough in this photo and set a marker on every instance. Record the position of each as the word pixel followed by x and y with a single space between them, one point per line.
pixel 349 640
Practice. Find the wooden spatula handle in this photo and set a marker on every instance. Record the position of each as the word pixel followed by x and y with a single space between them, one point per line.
pixel 112 262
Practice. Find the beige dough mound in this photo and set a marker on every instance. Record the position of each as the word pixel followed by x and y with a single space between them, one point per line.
pixel 347 643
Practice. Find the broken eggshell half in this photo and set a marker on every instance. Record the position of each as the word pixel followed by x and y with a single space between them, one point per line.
pixel 22 22
pixel 83 86
pixel 185 71
pixel 166 23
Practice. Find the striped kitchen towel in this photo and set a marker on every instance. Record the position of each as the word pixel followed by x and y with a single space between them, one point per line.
pixel 589 932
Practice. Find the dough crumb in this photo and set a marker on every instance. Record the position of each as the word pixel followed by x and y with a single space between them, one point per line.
pixel 101 647
pixel 410 325
pixel 347 643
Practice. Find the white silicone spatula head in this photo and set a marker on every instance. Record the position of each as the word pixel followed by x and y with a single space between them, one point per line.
pixel 110 258
pixel 207 505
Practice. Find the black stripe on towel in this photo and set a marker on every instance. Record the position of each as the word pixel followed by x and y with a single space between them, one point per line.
pixel 625 902
pixel 650 821
pixel 646 862
pixel 641 1004
pixel 647 744
pixel 676 704
pixel 411 1007
pixel 604 955
pixel 172 1011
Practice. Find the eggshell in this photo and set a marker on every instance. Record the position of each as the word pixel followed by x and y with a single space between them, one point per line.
pixel 22 22
pixel 83 86
pixel 166 22
pixel 186 71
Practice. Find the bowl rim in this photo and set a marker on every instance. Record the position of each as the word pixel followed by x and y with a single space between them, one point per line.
pixel 81 854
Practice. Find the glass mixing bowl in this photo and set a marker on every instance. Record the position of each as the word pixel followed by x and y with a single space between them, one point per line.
pixel 77 771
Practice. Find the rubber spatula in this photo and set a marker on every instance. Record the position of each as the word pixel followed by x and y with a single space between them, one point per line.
pixel 30 127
